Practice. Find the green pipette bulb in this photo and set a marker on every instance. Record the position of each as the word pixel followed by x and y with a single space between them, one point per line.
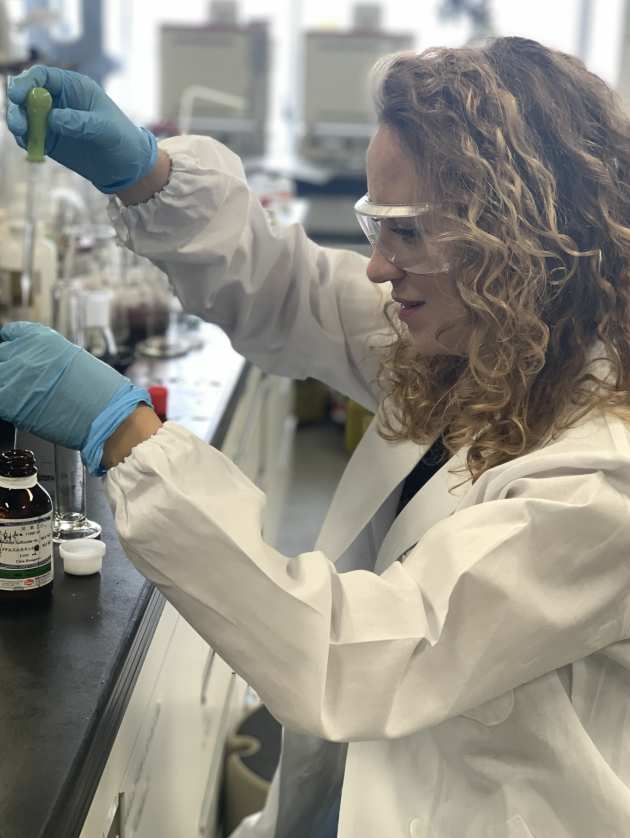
pixel 38 105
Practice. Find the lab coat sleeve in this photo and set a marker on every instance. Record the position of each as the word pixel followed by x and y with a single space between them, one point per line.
pixel 288 305
pixel 492 597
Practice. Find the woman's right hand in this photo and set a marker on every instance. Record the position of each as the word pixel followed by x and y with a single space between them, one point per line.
pixel 87 132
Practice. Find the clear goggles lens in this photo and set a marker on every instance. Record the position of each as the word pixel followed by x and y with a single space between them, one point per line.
pixel 412 242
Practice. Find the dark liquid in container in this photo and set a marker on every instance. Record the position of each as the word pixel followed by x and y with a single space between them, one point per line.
pixel 19 504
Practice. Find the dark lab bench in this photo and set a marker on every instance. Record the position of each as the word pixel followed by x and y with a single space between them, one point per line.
pixel 68 669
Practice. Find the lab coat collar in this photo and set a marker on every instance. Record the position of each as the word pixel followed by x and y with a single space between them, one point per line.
pixel 437 499
pixel 375 469
pixel 444 492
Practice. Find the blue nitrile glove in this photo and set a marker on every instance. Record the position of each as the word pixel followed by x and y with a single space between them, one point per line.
pixel 60 392
pixel 87 132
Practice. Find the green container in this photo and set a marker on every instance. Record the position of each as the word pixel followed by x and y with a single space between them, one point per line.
pixel 38 105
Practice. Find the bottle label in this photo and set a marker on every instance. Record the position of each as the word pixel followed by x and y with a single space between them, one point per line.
pixel 26 553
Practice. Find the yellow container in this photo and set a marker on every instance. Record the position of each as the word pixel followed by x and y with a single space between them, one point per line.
pixel 357 421
pixel 311 401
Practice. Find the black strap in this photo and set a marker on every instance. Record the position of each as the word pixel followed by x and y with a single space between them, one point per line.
pixel 432 461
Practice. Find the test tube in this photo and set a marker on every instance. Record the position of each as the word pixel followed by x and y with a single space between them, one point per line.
pixel 38 105
pixel 70 520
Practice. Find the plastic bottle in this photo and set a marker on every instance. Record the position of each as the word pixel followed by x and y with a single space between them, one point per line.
pixel 26 547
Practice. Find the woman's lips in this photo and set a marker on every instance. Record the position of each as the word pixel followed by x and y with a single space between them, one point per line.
pixel 409 309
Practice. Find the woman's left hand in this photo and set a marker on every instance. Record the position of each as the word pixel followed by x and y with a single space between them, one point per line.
pixel 50 386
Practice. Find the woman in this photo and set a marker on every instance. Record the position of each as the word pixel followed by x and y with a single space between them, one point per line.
pixel 453 652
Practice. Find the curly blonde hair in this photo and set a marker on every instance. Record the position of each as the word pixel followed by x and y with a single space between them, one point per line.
pixel 532 152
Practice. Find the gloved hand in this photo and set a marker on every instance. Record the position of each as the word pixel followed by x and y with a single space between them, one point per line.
pixel 87 132
pixel 60 392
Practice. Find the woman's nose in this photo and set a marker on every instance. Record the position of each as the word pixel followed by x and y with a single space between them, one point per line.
pixel 380 269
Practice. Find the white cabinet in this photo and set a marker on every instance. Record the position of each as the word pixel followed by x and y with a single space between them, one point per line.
pixel 108 805
pixel 260 441
pixel 163 774
pixel 172 782
pixel 243 442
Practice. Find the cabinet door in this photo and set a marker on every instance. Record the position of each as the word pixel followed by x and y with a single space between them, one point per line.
pixel 232 706
pixel 163 776
pixel 275 480
pixel 189 706
pixel 278 407
pixel 246 416
pixel 107 808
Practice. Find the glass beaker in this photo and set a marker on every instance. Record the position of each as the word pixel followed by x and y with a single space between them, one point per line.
pixel 70 520
pixel 166 338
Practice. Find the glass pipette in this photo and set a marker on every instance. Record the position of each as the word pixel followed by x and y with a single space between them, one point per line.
pixel 38 105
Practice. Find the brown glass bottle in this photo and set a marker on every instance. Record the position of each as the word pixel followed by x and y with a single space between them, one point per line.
pixel 26 551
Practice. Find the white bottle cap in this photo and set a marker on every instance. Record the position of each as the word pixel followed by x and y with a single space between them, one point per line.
pixel 83 556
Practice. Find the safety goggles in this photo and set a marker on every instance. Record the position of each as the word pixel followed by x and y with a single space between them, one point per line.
pixel 409 237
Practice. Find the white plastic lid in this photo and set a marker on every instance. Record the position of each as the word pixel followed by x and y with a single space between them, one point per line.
pixel 82 556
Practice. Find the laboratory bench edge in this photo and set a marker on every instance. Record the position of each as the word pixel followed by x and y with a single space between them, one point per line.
pixel 85 709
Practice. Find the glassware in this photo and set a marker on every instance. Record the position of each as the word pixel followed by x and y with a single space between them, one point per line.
pixel 65 308
pixel 166 338
pixel 70 520
pixel 96 334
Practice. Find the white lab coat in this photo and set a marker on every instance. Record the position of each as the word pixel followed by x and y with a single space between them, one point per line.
pixel 473 652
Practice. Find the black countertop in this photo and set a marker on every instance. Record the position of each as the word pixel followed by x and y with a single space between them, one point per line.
pixel 68 668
